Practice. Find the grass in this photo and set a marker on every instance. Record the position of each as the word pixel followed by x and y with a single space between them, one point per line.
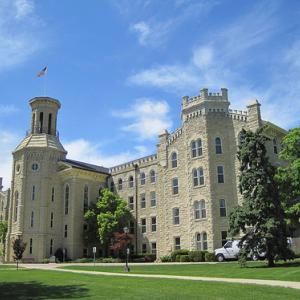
pixel 8 266
pixel 41 284
pixel 255 270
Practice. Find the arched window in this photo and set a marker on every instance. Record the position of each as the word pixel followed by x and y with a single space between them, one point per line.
pixel 198 176
pixel 85 199
pixel 198 241
pixel 16 205
pixel 120 184
pixel 67 196
pixel 196 147
pixel 130 181
pixel 201 241
pixel 174 159
pixel 200 209
pixel 275 149
pixel 218 144
pixel 204 241
pixel 49 123
pixel 41 125
pixel 32 219
pixel 152 176
pixel 143 178
pixel 112 187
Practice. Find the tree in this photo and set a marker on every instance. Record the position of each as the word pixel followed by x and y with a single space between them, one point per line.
pixel 261 216
pixel 110 214
pixel 3 232
pixel 121 241
pixel 19 247
pixel 288 176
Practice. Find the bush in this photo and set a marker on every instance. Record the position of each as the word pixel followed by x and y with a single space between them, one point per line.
pixel 197 256
pixel 179 252
pixel 144 257
pixel 184 258
pixel 111 260
pixel 83 260
pixel 209 256
pixel 177 259
pixel 166 258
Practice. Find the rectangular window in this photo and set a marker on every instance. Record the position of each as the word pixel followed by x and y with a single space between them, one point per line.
pixel 33 193
pixel 153 248
pixel 143 200
pixel 222 208
pixel 51 220
pixel 224 237
pixel 30 246
pixel 131 227
pixel 177 243
pixel 85 252
pixel 153 224
pixel 176 218
pixel 152 199
pixel 143 225
pixel 66 231
pixel 220 171
pixel 175 188
pixel 52 194
pixel 144 248
pixel 32 219
pixel 131 203
pixel 51 247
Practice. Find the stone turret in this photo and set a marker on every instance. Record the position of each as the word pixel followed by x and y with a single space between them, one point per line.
pixel 254 116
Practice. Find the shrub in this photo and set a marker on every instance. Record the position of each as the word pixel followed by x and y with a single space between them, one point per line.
pixel 111 260
pixel 178 252
pixel 197 256
pixel 184 258
pixel 177 259
pixel 209 256
pixel 242 259
pixel 166 258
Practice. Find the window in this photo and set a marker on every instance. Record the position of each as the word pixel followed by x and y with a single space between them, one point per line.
pixel 143 200
pixel 200 210
pixel 131 227
pixel 49 123
pixel 131 202
pixel 33 193
pixel 143 178
pixel 222 208
pixel 67 194
pixel 144 248
pixel 85 199
pixel 32 219
pixel 177 243
pixel 143 225
pixel 34 167
pixel 51 246
pixel 85 227
pixel 30 246
pixel 16 205
pixel 153 248
pixel 152 176
pixel 152 199
pixel 85 252
pixel 220 171
pixel 224 237
pixel 196 148
pixel 52 194
pixel 120 184
pixel 66 231
pixel 201 241
pixel 153 224
pixel 218 145
pixel 176 217
pixel 174 159
pixel 275 149
pixel 41 122
pixel 175 188
pixel 198 177
pixel 51 220
pixel 112 187
pixel 130 181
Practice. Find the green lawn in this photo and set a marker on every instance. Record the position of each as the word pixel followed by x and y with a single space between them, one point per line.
pixel 37 284
pixel 255 270
pixel 8 266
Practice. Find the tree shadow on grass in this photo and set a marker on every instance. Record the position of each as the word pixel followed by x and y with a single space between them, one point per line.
pixel 283 265
pixel 34 290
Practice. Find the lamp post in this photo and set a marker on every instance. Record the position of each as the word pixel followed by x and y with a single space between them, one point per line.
pixel 126 231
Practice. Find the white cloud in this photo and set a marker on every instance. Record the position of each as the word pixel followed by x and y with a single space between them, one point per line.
pixel 86 151
pixel 148 118
pixel 8 109
pixel 8 142
pixel 143 31
pixel 19 27
pixel 203 56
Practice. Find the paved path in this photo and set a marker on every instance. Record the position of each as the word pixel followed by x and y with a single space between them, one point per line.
pixel 278 283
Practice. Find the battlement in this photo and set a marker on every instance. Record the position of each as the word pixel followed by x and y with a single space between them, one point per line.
pixel 131 164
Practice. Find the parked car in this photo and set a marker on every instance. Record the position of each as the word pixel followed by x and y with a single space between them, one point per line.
pixel 231 250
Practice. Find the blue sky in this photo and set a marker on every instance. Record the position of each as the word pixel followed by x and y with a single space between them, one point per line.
pixel 120 68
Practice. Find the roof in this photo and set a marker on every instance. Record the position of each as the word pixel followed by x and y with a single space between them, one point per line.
pixel 85 166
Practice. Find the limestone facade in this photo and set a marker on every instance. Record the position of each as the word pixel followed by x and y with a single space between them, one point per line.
pixel 180 197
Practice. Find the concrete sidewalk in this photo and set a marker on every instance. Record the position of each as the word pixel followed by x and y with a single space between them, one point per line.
pixel 278 283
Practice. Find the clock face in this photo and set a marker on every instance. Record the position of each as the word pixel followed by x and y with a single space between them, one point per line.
pixel 34 167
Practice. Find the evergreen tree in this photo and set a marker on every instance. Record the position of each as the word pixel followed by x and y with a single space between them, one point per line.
pixel 260 218
pixel 19 247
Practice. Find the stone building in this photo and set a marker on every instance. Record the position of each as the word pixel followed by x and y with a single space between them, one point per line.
pixel 4 202
pixel 180 197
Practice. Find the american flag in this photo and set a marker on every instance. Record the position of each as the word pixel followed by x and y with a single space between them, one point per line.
pixel 42 72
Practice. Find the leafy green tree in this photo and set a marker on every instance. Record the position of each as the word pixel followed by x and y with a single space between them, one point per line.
pixel 288 177
pixel 260 217
pixel 110 214
pixel 3 232
pixel 19 247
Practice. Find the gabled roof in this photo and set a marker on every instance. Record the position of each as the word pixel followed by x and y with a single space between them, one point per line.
pixel 85 166
pixel 274 127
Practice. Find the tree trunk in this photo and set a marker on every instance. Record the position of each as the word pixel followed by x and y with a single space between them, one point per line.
pixel 270 262
pixel 17 265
